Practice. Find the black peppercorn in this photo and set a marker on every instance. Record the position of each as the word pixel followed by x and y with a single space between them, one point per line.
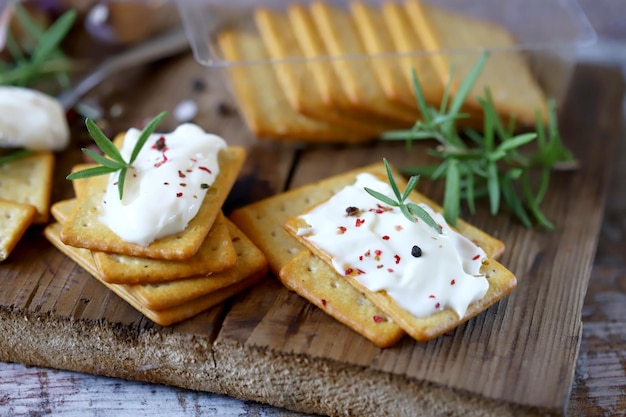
pixel 352 211
pixel 416 251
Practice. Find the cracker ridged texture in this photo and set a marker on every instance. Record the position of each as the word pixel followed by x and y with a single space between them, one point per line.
pixel 263 103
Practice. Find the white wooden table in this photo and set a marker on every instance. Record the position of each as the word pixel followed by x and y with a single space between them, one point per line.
pixel 30 391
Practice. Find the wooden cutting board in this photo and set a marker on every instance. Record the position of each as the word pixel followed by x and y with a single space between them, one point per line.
pixel 270 345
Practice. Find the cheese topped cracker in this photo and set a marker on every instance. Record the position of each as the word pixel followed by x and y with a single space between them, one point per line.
pixel 165 186
pixel 423 270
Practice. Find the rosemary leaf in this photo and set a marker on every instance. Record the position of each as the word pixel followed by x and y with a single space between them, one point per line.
pixel 91 172
pixel 103 142
pixel 14 155
pixel 145 134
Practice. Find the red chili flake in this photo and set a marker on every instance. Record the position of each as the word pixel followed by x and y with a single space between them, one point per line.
pixel 183 184
pixel 360 271
pixel 397 258
pixel 115 183
pixel 361 258
pixel 193 159
pixel 323 302
pixel 236 239
pixel 341 230
pixel 452 282
pixel 379 211
pixel 203 168
pixel 359 222
pixel 390 270
pixel 180 174
pixel 134 175
pixel 179 194
pixel 379 266
pixel 437 306
pixel 475 257
pixel 398 227
pixel 349 271
pixel 378 252
pixel 431 296
pixel 166 183
pixel 368 253
pixel 385 237
pixel 189 170
pixel 377 319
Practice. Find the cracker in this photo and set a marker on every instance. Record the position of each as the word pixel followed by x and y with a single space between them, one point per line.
pixel 377 42
pixel 29 181
pixel 314 280
pixel 83 229
pixel 507 74
pixel 216 254
pixel 265 108
pixel 295 76
pixel 358 79
pixel 501 282
pixel 250 262
pixel 15 218
pixel 408 43
pixel 163 317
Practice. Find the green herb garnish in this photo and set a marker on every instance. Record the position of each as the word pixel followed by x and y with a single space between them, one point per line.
pixel 38 56
pixel 410 210
pixel 490 164
pixel 14 155
pixel 115 162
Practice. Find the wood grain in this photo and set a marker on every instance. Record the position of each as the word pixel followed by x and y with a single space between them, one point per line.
pixel 519 357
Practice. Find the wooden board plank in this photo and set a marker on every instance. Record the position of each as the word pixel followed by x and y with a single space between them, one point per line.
pixel 52 306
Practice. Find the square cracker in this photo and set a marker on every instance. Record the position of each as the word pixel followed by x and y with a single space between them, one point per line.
pixel 250 262
pixel 296 76
pixel 313 279
pixel 414 54
pixel 83 229
pixel 378 42
pixel 29 181
pixel 358 79
pixel 164 317
pixel 508 76
pixel 15 218
pixel 501 282
pixel 216 254
pixel 263 223
pixel 265 107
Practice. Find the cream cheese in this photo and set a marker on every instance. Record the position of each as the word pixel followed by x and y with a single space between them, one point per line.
pixel 165 186
pixel 379 246
pixel 32 120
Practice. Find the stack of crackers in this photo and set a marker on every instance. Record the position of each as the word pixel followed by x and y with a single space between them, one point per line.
pixel 374 315
pixel 345 75
pixel 25 186
pixel 175 277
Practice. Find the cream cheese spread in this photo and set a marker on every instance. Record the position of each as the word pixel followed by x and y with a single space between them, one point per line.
pixel 165 186
pixel 32 120
pixel 422 270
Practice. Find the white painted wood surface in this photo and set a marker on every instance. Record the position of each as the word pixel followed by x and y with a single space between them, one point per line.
pixel 32 391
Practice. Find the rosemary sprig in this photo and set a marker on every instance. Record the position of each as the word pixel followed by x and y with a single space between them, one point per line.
pixel 410 210
pixel 115 162
pixel 490 164
pixel 44 60
pixel 13 155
